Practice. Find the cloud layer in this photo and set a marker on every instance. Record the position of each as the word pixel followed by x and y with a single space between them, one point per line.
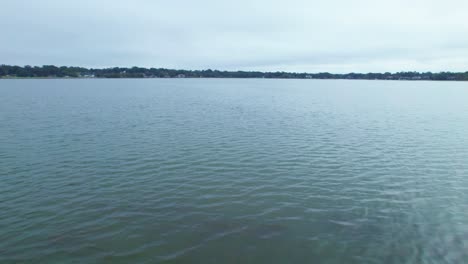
pixel 294 35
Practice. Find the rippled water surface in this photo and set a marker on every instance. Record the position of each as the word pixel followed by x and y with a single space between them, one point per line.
pixel 233 171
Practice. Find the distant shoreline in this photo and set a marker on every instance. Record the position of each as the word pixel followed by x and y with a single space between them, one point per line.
pixel 214 78
pixel 65 72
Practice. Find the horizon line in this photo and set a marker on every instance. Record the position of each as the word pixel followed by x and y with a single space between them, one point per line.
pixel 220 70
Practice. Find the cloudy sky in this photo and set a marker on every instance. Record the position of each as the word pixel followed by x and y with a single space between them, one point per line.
pixel 270 35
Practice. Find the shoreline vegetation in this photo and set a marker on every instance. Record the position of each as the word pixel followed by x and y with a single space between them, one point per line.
pixel 51 71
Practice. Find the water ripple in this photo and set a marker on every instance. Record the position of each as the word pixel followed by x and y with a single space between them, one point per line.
pixel 233 171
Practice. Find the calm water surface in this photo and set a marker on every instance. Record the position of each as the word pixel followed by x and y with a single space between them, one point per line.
pixel 233 171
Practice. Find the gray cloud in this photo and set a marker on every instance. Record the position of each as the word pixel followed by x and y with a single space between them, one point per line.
pixel 297 35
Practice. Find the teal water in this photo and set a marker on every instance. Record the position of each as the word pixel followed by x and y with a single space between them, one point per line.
pixel 233 171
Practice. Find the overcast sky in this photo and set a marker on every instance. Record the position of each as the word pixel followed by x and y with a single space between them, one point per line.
pixel 269 35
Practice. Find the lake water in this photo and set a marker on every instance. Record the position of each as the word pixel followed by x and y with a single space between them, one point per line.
pixel 233 171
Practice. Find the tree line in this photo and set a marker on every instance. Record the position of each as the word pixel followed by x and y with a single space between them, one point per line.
pixel 51 71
